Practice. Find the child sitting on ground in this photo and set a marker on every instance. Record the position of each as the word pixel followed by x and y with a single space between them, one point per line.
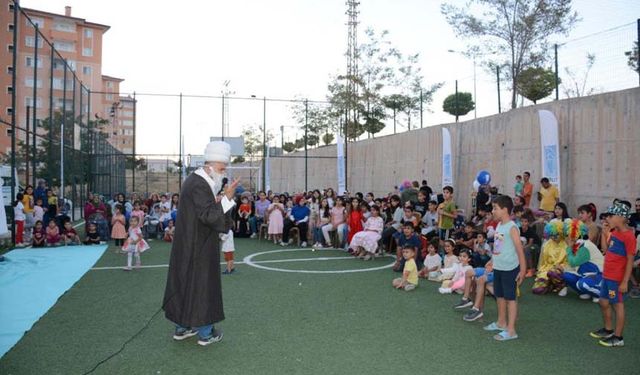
pixel 432 262
pixel 459 270
pixel 53 234
pixel 481 250
pixel 409 279
pixel 69 235
pixel 169 232
pixel 135 244
pixel 39 235
pixel 93 237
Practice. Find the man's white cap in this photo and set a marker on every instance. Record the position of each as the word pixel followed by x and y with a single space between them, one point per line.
pixel 218 151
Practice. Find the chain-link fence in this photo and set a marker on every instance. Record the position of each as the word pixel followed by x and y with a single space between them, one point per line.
pixel 69 125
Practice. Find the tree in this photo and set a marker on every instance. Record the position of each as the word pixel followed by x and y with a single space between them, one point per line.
pixel 253 145
pixel 131 162
pixel 289 147
pixel 632 57
pixel 577 86
pixel 536 83
pixel 516 31
pixel 238 159
pixel 460 106
pixel 327 139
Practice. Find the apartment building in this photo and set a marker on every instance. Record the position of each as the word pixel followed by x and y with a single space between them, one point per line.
pixel 77 41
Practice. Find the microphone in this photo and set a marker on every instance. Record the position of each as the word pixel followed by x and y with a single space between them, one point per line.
pixel 224 184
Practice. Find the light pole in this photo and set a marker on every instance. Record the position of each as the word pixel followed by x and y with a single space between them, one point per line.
pixel 264 142
pixel 474 55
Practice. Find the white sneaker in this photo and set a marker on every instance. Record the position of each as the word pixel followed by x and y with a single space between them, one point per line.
pixel 563 292
pixel 444 290
pixel 585 296
pixel 304 244
pixel 283 244
pixel 253 235
pixel 595 300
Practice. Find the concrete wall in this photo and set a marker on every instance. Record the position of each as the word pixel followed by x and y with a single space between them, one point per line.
pixel 599 153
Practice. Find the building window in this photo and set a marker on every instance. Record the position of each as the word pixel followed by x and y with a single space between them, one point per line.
pixel 9 111
pixel 109 84
pixel 88 33
pixel 127 123
pixel 64 46
pixel 58 84
pixel 10 47
pixel 9 69
pixel 36 21
pixel 29 62
pixel 28 102
pixel 29 82
pixel 30 41
pixel 65 27
pixel 109 96
pixel 87 52
pixel 9 89
pixel 11 7
pixel 86 70
pixel 10 27
pixel 9 132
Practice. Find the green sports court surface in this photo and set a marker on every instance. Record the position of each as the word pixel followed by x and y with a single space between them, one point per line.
pixel 332 322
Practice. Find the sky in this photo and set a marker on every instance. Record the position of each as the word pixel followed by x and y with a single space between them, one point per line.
pixel 289 49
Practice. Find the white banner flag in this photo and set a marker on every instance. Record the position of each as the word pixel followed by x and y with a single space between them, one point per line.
pixel 340 167
pixel 447 174
pixel 549 143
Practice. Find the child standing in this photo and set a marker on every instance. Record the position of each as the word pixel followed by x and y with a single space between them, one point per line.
pixel 135 244
pixel 118 221
pixel 519 186
pixel 19 218
pixel 509 267
pixel 53 234
pixel 409 279
pixel 618 262
pixel 446 213
pixel 228 249
pixel 276 221
pixel 39 235
pixel 38 210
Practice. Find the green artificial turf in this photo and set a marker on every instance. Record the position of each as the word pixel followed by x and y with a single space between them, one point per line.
pixel 299 323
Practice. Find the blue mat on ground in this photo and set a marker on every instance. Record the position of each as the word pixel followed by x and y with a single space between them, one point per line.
pixel 32 280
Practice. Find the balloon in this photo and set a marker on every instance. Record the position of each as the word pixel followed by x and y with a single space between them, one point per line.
pixel 484 177
pixel 476 185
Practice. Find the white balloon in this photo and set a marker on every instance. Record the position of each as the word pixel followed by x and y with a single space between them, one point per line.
pixel 476 185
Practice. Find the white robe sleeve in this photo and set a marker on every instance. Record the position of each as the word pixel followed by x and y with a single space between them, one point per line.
pixel 227 204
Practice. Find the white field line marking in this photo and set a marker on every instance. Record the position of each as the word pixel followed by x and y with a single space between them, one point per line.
pixel 223 263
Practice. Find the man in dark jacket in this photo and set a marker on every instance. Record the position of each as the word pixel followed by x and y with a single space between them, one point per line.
pixel 193 295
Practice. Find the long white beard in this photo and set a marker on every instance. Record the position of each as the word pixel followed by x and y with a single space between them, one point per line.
pixel 217 179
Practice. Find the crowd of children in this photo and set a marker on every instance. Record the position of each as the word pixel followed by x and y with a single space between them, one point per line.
pixel 492 251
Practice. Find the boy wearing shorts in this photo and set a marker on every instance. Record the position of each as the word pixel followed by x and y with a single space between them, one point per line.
pixel 618 262
pixel 409 279
pixel 509 266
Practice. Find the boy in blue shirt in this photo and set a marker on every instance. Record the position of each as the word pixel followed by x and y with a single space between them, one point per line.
pixel 509 266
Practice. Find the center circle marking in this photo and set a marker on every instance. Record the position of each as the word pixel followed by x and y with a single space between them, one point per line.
pixel 248 260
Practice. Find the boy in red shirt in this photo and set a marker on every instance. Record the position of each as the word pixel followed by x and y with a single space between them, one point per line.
pixel 618 262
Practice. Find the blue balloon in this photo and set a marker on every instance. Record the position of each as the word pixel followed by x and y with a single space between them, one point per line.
pixel 484 177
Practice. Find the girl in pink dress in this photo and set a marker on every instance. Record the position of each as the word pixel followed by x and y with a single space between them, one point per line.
pixel 276 223
pixel 118 231
pixel 365 242
pixel 53 234
pixel 135 244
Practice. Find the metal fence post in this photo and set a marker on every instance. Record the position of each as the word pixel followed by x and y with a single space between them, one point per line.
pixel 16 24
pixel 498 80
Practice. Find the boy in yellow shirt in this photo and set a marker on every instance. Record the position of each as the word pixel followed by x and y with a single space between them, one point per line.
pixel 409 279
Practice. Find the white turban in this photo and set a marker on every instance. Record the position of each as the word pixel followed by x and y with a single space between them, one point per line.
pixel 218 151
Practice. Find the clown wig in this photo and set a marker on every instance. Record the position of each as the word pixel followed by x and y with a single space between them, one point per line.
pixel 575 229
pixel 554 229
